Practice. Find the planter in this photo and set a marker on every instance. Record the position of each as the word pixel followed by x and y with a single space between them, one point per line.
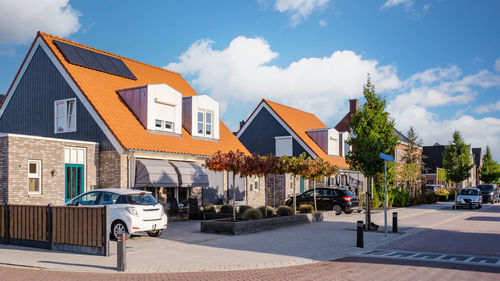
pixel 210 216
pixel 225 226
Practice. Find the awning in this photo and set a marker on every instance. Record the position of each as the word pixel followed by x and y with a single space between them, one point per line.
pixel 190 174
pixel 155 173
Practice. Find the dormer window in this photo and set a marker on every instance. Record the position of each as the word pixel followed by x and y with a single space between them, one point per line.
pixel 65 116
pixel 205 121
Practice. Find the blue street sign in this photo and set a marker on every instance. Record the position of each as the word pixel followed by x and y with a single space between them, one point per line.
pixel 386 157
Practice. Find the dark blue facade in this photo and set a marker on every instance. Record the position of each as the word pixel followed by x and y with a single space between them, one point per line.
pixel 31 108
pixel 259 135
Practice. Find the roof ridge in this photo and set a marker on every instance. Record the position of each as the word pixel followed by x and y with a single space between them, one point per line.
pixel 269 101
pixel 105 52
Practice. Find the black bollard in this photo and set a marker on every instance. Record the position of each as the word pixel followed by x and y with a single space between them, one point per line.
pixel 359 241
pixel 395 222
pixel 121 259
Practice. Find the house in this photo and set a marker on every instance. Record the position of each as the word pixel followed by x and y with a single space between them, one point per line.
pixel 478 161
pixel 77 118
pixel 433 164
pixel 283 130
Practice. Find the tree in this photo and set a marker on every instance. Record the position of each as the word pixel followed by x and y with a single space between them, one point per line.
pixel 490 171
pixel 296 166
pixel 457 161
pixel 413 166
pixel 372 134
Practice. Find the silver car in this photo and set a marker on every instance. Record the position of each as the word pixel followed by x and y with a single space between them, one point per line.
pixel 470 197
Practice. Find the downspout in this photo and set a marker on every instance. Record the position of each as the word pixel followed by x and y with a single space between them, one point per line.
pixel 130 159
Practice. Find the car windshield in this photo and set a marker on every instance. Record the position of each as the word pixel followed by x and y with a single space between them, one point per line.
pixel 468 191
pixel 138 199
pixel 486 188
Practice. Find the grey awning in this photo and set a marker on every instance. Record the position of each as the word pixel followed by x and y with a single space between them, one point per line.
pixel 155 173
pixel 190 174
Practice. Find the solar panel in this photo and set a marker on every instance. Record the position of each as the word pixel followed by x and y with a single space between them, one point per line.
pixel 94 60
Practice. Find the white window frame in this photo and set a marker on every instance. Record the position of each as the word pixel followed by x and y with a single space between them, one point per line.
pixel 204 122
pixel 37 175
pixel 162 126
pixel 66 129
pixel 256 184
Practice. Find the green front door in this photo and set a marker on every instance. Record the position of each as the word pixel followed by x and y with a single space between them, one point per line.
pixel 302 185
pixel 73 181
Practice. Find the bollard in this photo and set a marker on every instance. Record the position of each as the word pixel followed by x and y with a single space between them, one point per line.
pixel 395 222
pixel 121 260
pixel 470 205
pixel 359 241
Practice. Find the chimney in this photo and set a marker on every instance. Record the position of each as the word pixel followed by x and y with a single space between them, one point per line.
pixel 242 123
pixel 353 106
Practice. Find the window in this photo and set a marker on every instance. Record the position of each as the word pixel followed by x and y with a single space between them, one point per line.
pixel 158 124
pixel 65 116
pixel 205 122
pixel 108 198
pixel 256 184
pixel 34 176
pixel 87 199
pixel 169 125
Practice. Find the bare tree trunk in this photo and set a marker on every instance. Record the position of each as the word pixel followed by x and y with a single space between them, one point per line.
pixel 234 196
pixel 314 195
pixel 294 197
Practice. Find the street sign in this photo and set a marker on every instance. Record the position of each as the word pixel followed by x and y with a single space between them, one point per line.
pixel 386 157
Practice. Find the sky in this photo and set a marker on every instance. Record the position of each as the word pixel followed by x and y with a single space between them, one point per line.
pixel 437 63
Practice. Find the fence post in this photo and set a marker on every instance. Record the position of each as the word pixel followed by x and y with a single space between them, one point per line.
pixel 49 226
pixel 7 223
pixel 107 230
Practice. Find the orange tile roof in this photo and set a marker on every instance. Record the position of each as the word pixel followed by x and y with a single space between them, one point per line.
pixel 100 90
pixel 299 122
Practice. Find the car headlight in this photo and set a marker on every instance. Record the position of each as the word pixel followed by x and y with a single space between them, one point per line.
pixel 132 211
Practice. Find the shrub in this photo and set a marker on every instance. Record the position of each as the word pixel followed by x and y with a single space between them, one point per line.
pixel 243 208
pixel 305 208
pixel 209 208
pixel 443 194
pixel 226 209
pixel 401 199
pixel 284 211
pixel 270 210
pixel 252 214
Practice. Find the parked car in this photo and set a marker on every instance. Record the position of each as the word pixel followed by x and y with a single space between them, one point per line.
pixel 130 211
pixel 489 192
pixel 330 199
pixel 432 187
pixel 470 197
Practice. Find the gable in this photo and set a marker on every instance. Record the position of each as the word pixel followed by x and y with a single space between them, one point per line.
pixel 30 110
pixel 258 137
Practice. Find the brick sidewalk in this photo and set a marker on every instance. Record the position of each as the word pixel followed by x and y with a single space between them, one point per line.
pixel 350 268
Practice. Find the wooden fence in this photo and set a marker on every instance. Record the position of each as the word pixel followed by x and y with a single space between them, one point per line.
pixel 75 229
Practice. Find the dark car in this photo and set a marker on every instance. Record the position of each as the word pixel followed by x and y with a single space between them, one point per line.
pixel 489 192
pixel 329 199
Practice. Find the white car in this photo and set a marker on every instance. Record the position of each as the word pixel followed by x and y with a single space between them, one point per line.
pixel 470 197
pixel 130 211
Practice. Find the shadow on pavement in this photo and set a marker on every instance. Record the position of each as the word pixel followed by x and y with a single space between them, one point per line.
pixel 484 218
pixel 79 264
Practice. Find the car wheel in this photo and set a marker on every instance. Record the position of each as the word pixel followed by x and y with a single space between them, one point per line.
pixel 337 209
pixel 155 233
pixel 347 211
pixel 119 227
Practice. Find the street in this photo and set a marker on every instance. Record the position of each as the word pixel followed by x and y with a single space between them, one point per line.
pixel 436 243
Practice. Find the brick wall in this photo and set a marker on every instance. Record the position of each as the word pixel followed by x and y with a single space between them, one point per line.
pixel 51 155
pixel 4 175
pixel 113 170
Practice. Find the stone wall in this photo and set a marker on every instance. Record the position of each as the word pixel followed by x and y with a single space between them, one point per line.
pixel 50 152
pixel 113 170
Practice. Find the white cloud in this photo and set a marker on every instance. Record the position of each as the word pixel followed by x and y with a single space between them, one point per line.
pixel 323 23
pixel 298 9
pixel 395 3
pixel 478 132
pixel 412 11
pixel 497 65
pixel 243 72
pixel 488 107
pixel 21 19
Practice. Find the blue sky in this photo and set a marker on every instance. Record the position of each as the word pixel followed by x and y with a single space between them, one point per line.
pixel 436 62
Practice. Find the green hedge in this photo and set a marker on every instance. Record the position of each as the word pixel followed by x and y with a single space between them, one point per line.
pixel 226 209
pixel 209 208
pixel 284 211
pixel 305 209
pixel 252 214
